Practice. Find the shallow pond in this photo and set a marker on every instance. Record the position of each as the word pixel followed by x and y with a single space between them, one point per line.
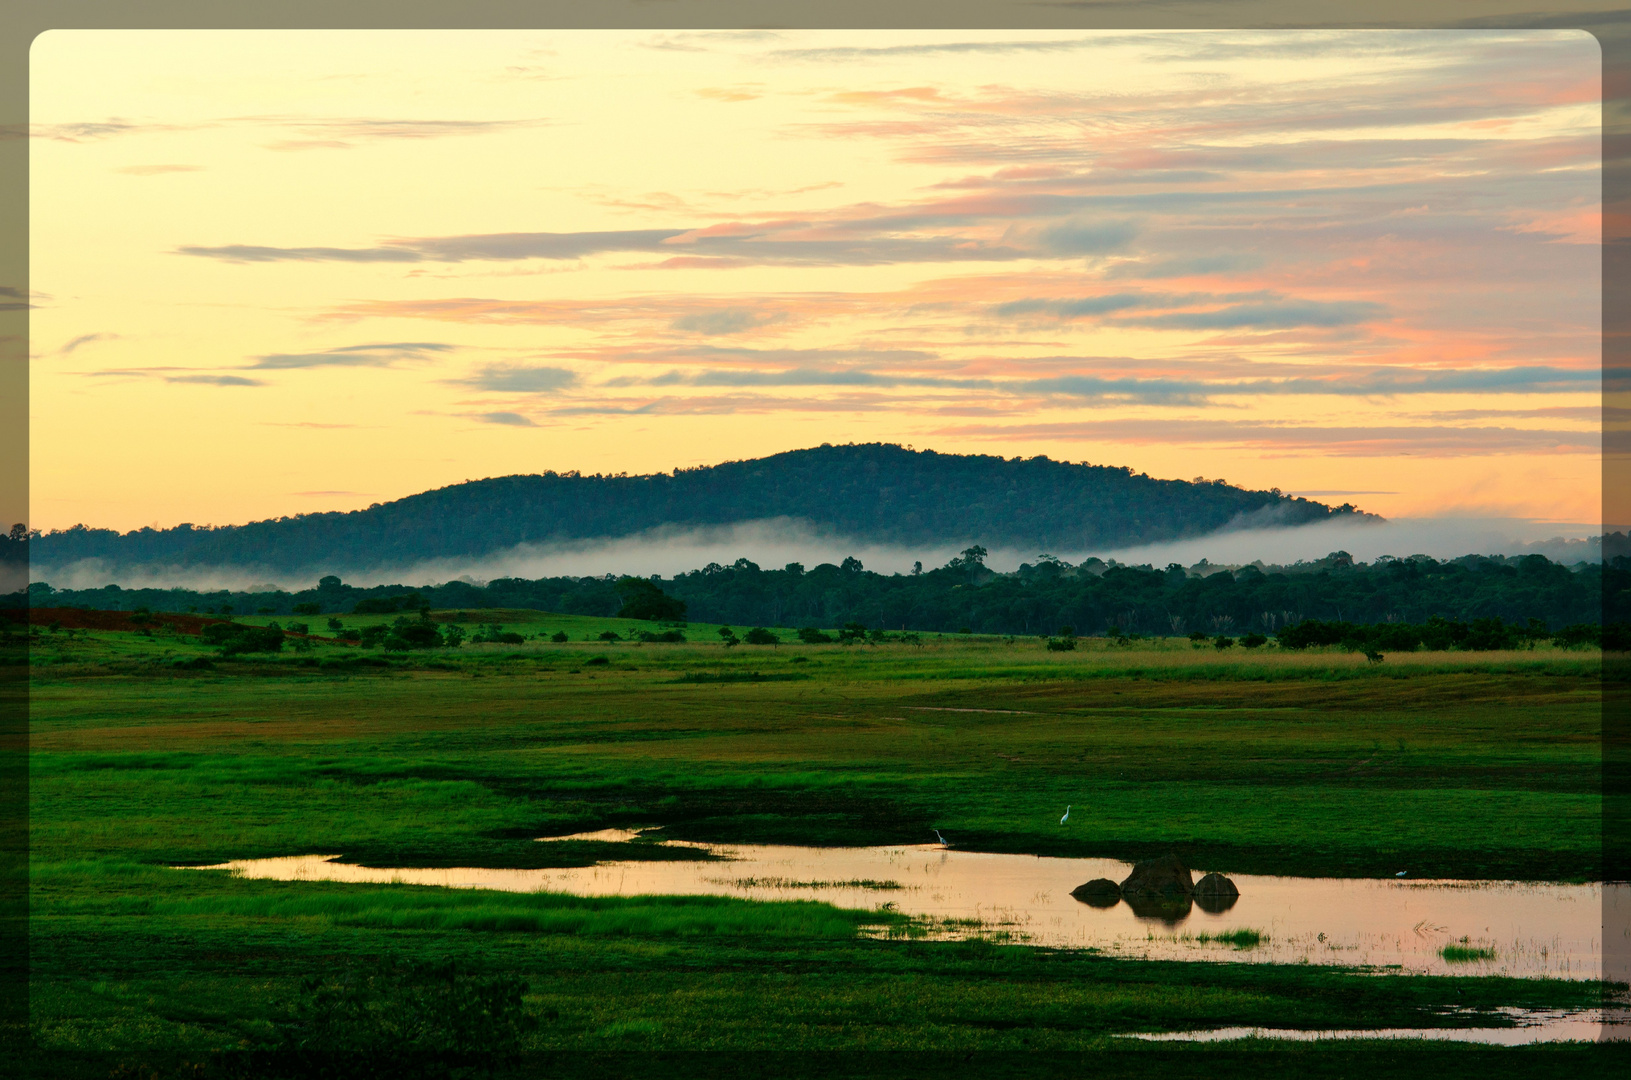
pixel 1529 1027
pixel 1523 929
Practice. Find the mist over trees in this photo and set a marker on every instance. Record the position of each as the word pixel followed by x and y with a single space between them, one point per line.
pixel 1040 598
pixel 873 493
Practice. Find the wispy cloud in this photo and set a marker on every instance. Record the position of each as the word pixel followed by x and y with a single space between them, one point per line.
pixel 93 130
pixel 1076 308
pixel 519 379
pixel 724 358
pixel 314 132
pixel 1086 237
pixel 1346 441
pixel 853 53
pixel 701 41
pixel 732 404
pixel 1589 413
pixel 1140 390
pixel 12 299
pixel 727 320
pixel 453 248
pixel 157 170
pixel 808 377
pixel 740 92
pixel 508 419
pixel 1293 313
pixel 1187 266
pixel 378 355
pixel 1375 383
pixel 1147 391
pixel 214 380
pixel 342 133
pixel 750 245
pixel 82 340
pixel 252 253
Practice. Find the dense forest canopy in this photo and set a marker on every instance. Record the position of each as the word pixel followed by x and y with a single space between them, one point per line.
pixel 873 493
pixel 1040 598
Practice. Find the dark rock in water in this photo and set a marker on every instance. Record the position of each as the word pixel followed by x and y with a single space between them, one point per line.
pixel 1100 892
pixel 1156 906
pixel 1216 894
pixel 1215 885
pixel 1166 878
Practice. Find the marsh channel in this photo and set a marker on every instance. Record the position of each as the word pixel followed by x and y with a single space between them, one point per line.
pixel 1510 928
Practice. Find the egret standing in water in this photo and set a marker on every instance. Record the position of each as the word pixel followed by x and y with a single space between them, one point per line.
pixel 1066 817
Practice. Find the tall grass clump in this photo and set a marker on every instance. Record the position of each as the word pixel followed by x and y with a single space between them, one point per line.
pixel 1465 954
pixel 1240 939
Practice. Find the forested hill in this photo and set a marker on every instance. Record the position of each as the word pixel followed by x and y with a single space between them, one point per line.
pixel 878 493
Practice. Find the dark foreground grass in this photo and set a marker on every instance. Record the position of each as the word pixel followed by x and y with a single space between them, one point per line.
pixel 1292 765
pixel 1260 1059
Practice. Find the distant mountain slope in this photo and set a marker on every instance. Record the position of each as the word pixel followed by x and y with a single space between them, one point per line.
pixel 873 492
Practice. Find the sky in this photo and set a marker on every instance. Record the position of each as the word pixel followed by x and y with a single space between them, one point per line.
pixel 283 272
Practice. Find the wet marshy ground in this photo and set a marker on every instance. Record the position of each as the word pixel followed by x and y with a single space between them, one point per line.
pixel 1521 929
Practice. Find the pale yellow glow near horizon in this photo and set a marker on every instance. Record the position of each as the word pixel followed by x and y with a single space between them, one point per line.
pixel 876 238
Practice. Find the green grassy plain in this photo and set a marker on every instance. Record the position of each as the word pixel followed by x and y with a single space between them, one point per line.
pixel 1461 764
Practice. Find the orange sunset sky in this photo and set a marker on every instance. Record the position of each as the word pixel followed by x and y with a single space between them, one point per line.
pixel 282 272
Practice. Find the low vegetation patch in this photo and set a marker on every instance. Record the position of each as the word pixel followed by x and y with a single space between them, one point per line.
pixel 741 676
pixel 1465 954
pixel 789 883
pixel 1240 939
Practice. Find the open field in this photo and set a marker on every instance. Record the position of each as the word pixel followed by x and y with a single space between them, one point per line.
pixel 1316 763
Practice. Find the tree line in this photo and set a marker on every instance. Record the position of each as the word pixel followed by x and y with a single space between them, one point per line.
pixel 1039 598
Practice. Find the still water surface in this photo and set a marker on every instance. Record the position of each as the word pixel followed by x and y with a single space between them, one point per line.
pixel 1529 1026
pixel 1533 928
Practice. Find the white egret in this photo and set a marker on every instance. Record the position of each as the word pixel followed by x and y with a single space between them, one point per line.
pixel 1401 873
pixel 1067 815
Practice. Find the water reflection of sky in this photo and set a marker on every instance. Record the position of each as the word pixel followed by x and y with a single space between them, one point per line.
pixel 1530 1026
pixel 1534 929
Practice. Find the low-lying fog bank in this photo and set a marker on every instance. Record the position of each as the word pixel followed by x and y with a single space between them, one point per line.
pixel 1438 538
pixel 774 543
